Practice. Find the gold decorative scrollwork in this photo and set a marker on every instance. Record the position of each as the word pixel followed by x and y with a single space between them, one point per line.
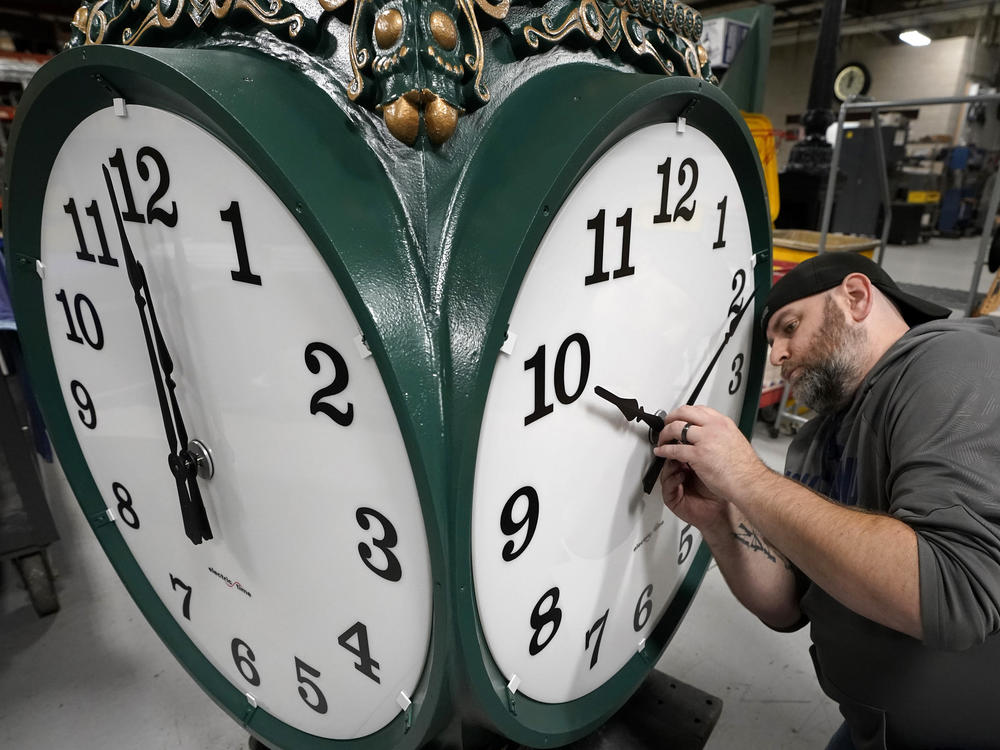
pixel 659 34
pixel 96 20
pixel 421 64
pixel 359 54
pixel 476 60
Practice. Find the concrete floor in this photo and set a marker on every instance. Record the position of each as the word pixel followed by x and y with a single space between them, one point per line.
pixel 95 677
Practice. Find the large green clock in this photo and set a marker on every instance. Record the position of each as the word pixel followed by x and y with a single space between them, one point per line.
pixel 632 255
pixel 217 378
pixel 347 417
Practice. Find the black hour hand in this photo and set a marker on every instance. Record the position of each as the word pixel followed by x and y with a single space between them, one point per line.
pixel 630 409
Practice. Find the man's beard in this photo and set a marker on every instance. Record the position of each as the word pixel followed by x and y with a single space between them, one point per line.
pixel 827 383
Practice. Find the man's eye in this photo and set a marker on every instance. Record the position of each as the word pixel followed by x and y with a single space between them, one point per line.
pixel 791 326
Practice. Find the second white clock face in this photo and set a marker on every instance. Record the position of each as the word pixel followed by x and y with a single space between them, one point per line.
pixel 313 594
pixel 644 269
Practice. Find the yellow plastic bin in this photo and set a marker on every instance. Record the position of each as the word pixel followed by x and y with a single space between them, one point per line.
pixel 792 246
pixel 763 137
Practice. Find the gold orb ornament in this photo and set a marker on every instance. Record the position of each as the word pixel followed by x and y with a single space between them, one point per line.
pixel 402 117
pixel 441 119
pixel 388 28
pixel 443 29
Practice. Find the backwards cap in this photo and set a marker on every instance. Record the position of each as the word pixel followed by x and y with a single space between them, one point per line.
pixel 828 269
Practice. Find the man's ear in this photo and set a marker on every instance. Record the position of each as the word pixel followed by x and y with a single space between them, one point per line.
pixel 859 292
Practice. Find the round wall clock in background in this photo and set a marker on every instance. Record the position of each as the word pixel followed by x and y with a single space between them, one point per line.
pixel 365 430
pixel 853 79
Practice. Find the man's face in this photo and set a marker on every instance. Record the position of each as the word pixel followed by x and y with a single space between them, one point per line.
pixel 819 353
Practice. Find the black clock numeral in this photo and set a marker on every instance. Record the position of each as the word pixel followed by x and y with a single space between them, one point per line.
pixel 687 171
pixel 739 284
pixel 340 379
pixel 87 413
pixel 125 510
pixel 540 618
pixel 625 269
pixel 643 609
pixel 509 526
pixel 117 161
pixel 737 379
pixel 154 212
pixel 301 671
pixel 177 583
pixel 537 363
pixel 598 628
pixel 686 544
pixel 81 301
pixel 367 665
pixel 94 212
pixel 244 663
pixel 393 571
pixel 233 216
pixel 83 253
pixel 721 241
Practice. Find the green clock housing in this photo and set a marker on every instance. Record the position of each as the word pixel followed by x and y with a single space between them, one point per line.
pixel 329 401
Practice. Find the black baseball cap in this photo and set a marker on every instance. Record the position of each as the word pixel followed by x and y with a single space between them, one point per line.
pixel 827 270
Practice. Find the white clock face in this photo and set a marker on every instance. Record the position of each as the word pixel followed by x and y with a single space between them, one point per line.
pixel 313 593
pixel 850 81
pixel 637 281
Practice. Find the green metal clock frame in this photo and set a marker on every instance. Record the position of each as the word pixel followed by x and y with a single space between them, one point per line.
pixel 435 353
pixel 250 104
pixel 579 112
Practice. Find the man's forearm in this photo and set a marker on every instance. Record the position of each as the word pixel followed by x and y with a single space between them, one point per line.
pixel 867 561
pixel 758 575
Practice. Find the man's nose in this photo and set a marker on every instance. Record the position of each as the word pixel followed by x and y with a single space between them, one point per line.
pixel 779 353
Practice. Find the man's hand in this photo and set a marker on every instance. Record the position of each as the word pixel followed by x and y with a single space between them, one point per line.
pixel 687 497
pixel 714 451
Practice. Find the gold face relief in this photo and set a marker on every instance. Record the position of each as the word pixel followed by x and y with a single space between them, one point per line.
pixel 662 34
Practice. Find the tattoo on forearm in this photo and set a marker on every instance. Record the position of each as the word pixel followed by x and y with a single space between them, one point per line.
pixel 750 538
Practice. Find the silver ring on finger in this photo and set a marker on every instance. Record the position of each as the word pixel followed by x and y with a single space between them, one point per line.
pixel 684 434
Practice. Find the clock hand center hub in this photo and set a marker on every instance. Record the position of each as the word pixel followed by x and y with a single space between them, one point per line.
pixel 196 459
pixel 201 454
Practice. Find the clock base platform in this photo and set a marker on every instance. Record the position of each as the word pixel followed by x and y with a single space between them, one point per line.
pixel 664 713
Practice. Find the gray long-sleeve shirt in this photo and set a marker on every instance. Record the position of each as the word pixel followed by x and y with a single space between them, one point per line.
pixel 921 442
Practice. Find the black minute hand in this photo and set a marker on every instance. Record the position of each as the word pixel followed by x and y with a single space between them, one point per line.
pixel 653 472
pixel 182 465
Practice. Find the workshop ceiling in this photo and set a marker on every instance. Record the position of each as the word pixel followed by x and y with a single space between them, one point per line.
pixel 798 20
pixel 37 24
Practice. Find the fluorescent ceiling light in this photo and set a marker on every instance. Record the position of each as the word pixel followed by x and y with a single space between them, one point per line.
pixel 914 38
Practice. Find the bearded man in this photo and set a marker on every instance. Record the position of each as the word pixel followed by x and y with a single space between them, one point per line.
pixel 884 533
